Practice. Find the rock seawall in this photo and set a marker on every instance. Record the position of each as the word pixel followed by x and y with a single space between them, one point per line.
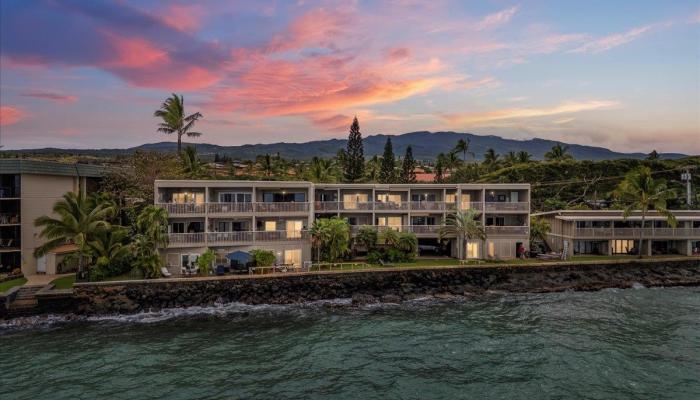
pixel 378 285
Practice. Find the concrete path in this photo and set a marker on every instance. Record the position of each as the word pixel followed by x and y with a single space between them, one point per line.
pixel 42 279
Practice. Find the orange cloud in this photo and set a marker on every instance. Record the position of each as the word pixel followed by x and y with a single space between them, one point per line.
pixel 317 28
pixel 519 113
pixel 10 115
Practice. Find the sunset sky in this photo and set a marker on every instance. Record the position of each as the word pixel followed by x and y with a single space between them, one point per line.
pixel 89 74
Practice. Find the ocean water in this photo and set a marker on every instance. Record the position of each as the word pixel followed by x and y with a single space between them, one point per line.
pixel 614 344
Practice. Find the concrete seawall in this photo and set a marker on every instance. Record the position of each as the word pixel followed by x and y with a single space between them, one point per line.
pixel 379 285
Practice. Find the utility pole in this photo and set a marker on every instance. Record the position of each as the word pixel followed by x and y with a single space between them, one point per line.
pixel 688 178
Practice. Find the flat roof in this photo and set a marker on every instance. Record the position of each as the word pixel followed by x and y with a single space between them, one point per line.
pixel 224 183
pixel 39 167
pixel 617 215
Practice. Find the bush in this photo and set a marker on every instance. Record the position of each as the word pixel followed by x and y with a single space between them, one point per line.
pixel 375 256
pixel 205 260
pixel 263 258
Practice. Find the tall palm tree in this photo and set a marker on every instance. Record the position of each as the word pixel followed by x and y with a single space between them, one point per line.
pixel 524 157
pixel 463 147
pixel 152 222
pixel 330 237
pixel 110 246
pixel 511 158
pixel 321 170
pixel 79 219
pixel 172 112
pixel 558 153
pixel 491 159
pixel 639 191
pixel 191 165
pixel 465 225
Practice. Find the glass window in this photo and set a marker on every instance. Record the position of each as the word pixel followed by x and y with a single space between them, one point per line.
pixel 177 227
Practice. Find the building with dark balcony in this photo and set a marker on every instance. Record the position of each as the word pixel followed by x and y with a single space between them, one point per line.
pixel 230 216
pixel 609 232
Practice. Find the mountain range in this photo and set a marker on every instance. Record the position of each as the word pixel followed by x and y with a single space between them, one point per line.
pixel 425 145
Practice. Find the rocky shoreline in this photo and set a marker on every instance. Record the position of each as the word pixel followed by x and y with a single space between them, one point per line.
pixel 365 287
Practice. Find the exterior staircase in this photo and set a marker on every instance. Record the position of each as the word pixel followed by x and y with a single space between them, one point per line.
pixel 25 303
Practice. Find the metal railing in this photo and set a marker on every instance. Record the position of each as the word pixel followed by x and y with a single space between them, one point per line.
pixel 277 236
pixel 508 206
pixel 390 206
pixel 318 267
pixel 9 218
pixel 227 208
pixel 230 237
pixel 632 233
pixel 281 207
pixel 184 208
pixel 439 206
pixel 186 238
pixel 225 238
pixel 507 230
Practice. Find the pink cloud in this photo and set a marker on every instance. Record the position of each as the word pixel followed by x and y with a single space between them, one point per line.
pixel 11 115
pixel 134 52
pixel 569 107
pixel 497 19
pixel 317 28
pixel 183 17
pixel 398 53
pixel 606 43
pixel 61 98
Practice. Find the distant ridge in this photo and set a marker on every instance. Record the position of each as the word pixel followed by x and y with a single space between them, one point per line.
pixel 426 146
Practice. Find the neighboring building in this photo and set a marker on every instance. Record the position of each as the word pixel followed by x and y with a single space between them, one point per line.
pixel 607 232
pixel 244 215
pixel 28 190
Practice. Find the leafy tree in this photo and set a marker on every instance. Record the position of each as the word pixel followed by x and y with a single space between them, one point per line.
pixel 539 228
pixel 204 262
pixel 79 219
pixel 372 169
pixel 465 225
pixel 640 191
pixel 491 160
pixel 263 258
pixel 354 158
pixel 408 173
pixel 653 156
pixel 463 147
pixel 524 157
pixel 172 112
pixel 387 173
pixel 109 246
pixel 389 237
pixel 330 237
pixel 267 164
pixel 152 222
pixel 191 166
pixel 408 244
pixel 440 168
pixel 321 170
pixel 558 153
pixel 367 237
pixel 511 158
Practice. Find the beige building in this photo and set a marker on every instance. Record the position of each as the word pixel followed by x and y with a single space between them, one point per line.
pixel 28 190
pixel 608 232
pixel 229 216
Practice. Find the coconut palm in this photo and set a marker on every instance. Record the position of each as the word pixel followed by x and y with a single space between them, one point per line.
pixel 491 160
pixel 539 228
pixel 389 237
pixel 109 246
pixel 330 237
pixel 408 243
pixel 639 191
pixel 321 170
pixel 172 112
pixel 191 165
pixel 79 219
pixel 524 157
pixel 367 237
pixel 463 147
pixel 511 158
pixel 465 225
pixel 152 222
pixel 558 153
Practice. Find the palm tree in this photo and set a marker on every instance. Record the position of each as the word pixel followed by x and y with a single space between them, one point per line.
pixel 172 112
pixel 463 147
pixel 150 233
pixel 408 243
pixel 465 225
pixel 491 159
pixel 511 158
pixel 330 237
pixel 524 157
pixel 367 237
pixel 268 165
pixel 109 246
pixel 372 168
pixel 639 191
pixel 539 228
pixel 321 170
pixel 558 153
pixel 79 219
pixel 191 165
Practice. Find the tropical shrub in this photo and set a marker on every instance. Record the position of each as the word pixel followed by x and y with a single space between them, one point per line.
pixel 367 237
pixel 263 258
pixel 330 237
pixel 205 260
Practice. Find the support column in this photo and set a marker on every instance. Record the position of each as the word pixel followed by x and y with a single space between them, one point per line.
pixel 648 247
pixel 688 247
pixel 610 247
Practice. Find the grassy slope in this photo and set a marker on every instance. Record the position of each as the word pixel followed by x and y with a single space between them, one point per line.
pixel 7 285
pixel 64 283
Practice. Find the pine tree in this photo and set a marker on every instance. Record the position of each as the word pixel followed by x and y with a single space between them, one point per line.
pixel 408 173
pixel 386 172
pixel 354 160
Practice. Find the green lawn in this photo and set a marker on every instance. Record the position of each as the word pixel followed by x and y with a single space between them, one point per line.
pixel 7 285
pixel 64 283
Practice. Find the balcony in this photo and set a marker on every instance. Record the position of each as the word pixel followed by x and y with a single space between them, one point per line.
pixel 633 233
pixel 281 236
pixel 183 208
pixel 507 231
pixel 281 207
pixel 229 208
pixel 428 205
pixel 223 238
pixel 390 206
pixel 507 207
pixel 186 239
pixel 9 219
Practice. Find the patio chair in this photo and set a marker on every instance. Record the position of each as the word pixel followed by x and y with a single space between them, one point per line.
pixel 164 271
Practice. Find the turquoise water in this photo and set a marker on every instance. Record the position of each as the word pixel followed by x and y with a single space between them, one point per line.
pixel 613 344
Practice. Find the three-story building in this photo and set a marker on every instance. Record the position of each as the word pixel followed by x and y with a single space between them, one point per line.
pixel 243 215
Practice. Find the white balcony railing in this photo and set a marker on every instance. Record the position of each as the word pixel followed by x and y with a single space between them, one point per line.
pixel 281 207
pixel 507 230
pixel 188 239
pixel 508 206
pixel 228 208
pixel 633 233
pixel 184 208
pixel 230 237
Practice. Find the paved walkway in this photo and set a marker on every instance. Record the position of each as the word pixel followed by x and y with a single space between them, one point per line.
pixel 42 279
